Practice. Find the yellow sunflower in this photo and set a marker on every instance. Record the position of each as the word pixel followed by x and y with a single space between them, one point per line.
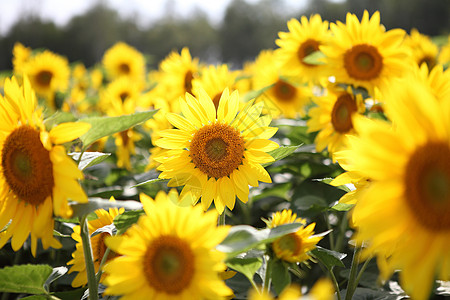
pixel 169 254
pixel 48 73
pixel 124 60
pixel 20 55
pixel 423 49
pixel 213 80
pixel 332 117
pixel 293 247
pixel 364 54
pixel 104 218
pixel 437 80
pixel 287 97
pixel 409 167
pixel 303 38
pixel 216 158
pixel 121 88
pixel 36 176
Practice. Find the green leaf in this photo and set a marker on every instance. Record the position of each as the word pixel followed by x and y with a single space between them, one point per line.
pixel 242 238
pixel 342 207
pixel 89 158
pixel 246 266
pixel 56 273
pixel 81 209
pixel 127 219
pixel 28 279
pixel 255 93
pixel 280 276
pixel 151 181
pixel 59 234
pixel 58 118
pixel 315 58
pixel 281 152
pixel 106 126
pixel 329 258
pixel 39 297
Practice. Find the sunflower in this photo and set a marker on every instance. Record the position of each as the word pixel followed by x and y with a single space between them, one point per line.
pixel 437 80
pixel 216 158
pixel 332 117
pixel 364 54
pixel 124 60
pixel 20 55
pixel 169 254
pixel 104 218
pixel 303 38
pixel 36 176
pixel 287 97
pixel 409 167
pixel 121 89
pixel 293 247
pixel 423 49
pixel 213 80
pixel 48 73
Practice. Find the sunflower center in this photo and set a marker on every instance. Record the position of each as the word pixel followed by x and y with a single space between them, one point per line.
pixel 125 138
pixel 427 182
pixel 341 115
pixel 430 61
pixel 100 248
pixel 26 165
pixel 169 264
pixel 290 242
pixel 217 150
pixel 284 91
pixel 306 48
pixel 363 62
pixel 188 81
pixel 123 96
pixel 43 78
pixel 124 69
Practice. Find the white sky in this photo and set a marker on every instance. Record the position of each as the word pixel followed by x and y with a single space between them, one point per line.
pixel 60 11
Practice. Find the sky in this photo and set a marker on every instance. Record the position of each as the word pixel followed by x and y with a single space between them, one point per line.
pixel 60 11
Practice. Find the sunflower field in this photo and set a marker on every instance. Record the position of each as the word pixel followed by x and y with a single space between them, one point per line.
pixel 319 170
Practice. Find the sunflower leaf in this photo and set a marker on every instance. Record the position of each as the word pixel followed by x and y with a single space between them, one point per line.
pixel 315 58
pixel 329 258
pixel 89 158
pixel 280 276
pixel 28 279
pixel 342 207
pixel 154 180
pixel 106 126
pixel 127 219
pixel 246 266
pixel 255 93
pixel 281 152
pixel 56 273
pixel 81 209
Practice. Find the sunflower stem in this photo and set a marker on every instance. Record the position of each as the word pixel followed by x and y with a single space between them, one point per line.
pixel 267 276
pixel 88 259
pixel 352 280
pixel 331 235
pixel 221 219
pixel 333 279
pixel 104 259
pixel 366 263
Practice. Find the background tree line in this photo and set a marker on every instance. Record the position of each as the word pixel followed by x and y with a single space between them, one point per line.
pixel 244 30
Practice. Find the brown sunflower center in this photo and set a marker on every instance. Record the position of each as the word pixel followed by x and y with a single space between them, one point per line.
pixel 99 248
pixel 169 264
pixel 284 91
pixel 306 48
pixel 188 81
pixel 217 150
pixel 124 69
pixel 43 78
pixel 123 96
pixel 290 242
pixel 26 165
pixel 427 182
pixel 341 115
pixel 125 137
pixel 429 60
pixel 363 62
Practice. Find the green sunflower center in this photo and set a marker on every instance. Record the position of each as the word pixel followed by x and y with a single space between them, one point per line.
pixel 43 78
pixel 306 48
pixel 26 165
pixel 169 264
pixel 427 182
pixel 284 91
pixel 217 150
pixel 363 62
pixel 341 115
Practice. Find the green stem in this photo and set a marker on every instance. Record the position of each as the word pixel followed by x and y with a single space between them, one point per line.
pixel 267 275
pixel 331 235
pixel 366 263
pixel 342 228
pixel 333 279
pixel 221 220
pixel 88 259
pixel 352 283
pixel 104 259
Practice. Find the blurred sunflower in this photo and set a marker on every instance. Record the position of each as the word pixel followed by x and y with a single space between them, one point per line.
pixel 124 60
pixel 104 218
pixel 303 38
pixel 364 54
pixel 36 176
pixel 437 80
pixel 169 254
pixel 122 88
pixel 423 49
pixel 293 247
pixel 409 168
pixel 286 97
pixel 48 73
pixel 216 159
pixel 20 55
pixel 332 117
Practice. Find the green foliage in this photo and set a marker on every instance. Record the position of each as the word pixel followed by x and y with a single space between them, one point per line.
pixel 81 209
pixel 329 258
pixel 246 266
pixel 127 219
pixel 28 279
pixel 89 158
